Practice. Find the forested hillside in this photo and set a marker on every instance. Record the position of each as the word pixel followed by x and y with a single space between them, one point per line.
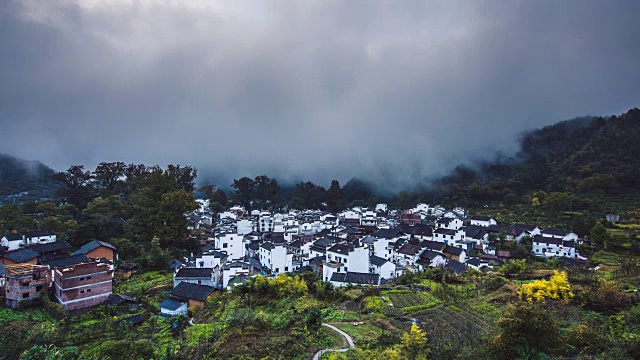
pixel 584 155
pixel 17 175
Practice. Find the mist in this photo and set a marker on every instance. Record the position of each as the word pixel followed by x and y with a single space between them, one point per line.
pixel 392 93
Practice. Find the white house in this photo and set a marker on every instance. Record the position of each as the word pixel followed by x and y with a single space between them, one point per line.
pixel 232 244
pixel 448 236
pixel 227 215
pixel 200 276
pixel 408 255
pixel 449 223
pixel 244 227
pixel 553 247
pixel 559 234
pixel 173 307
pixel 352 258
pixel 484 221
pixel 277 257
pixel 265 223
pixel 369 218
pixel 12 241
pixel 383 267
pixel 39 237
pixel 431 258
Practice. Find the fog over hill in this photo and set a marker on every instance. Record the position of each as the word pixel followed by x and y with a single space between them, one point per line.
pixel 386 92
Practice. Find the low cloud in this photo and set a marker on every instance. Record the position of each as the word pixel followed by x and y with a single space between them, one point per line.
pixel 385 91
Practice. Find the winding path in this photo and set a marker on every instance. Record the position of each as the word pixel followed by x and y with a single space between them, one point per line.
pixel 344 334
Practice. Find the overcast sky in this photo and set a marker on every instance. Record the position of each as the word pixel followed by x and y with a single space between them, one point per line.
pixel 387 91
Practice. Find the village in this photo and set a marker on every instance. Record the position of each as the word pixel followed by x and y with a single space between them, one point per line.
pixel 358 246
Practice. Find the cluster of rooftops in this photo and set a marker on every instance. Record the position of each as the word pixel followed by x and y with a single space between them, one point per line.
pixel 360 246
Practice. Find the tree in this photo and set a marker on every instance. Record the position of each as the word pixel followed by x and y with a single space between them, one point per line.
pixel 184 175
pixel 265 191
pixel 9 216
pixel 414 344
pixel 525 325
pixel 335 197
pixel 79 189
pixel 244 192
pixel 108 175
pixel 599 235
pixel 172 229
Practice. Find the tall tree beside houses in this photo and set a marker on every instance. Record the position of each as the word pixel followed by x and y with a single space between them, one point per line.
pixel 265 191
pixel 243 194
pixel 335 197
pixel 79 188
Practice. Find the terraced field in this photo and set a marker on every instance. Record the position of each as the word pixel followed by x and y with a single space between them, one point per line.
pixel 451 328
pixel 408 301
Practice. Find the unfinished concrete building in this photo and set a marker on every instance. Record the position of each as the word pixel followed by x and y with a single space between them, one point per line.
pixel 25 282
pixel 82 285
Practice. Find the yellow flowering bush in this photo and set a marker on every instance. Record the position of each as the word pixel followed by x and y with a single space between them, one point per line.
pixel 557 288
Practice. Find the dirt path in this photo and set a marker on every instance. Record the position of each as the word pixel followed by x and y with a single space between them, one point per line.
pixel 344 335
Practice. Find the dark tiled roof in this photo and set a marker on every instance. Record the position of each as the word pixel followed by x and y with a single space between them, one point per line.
pixel 453 250
pixel 13 237
pixel 456 267
pixel 52 246
pixel 174 264
pixel 20 255
pixel 67 261
pixel 340 249
pixel 480 218
pixel 171 304
pixel 369 240
pixel 442 231
pixel 38 233
pixel 362 278
pixel 133 320
pixel 408 249
pixel 556 232
pixel 524 227
pixel 547 240
pixel 268 246
pixel 423 230
pixel 192 291
pixel 387 233
pixel 92 246
pixel 322 243
pixel 377 261
pixel 429 254
pixel 187 272
pixel 433 245
pixel 474 262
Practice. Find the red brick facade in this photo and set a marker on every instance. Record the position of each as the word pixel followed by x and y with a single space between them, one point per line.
pixel 82 285
pixel 25 282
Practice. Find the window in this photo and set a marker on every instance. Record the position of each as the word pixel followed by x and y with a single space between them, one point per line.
pixel 88 277
pixel 224 245
pixel 345 260
pixel 88 290
pixel 81 291
pixel 38 288
pixel 25 295
pixel 81 278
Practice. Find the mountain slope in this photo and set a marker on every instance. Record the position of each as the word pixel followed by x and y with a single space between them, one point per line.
pixel 17 176
pixel 583 155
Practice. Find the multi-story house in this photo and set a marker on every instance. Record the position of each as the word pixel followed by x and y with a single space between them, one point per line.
pixel 82 285
pixel 25 282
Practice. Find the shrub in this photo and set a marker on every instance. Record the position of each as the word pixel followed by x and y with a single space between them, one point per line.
pixel 558 287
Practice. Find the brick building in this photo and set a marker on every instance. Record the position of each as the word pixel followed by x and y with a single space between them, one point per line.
pixel 25 282
pixel 98 250
pixel 82 285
